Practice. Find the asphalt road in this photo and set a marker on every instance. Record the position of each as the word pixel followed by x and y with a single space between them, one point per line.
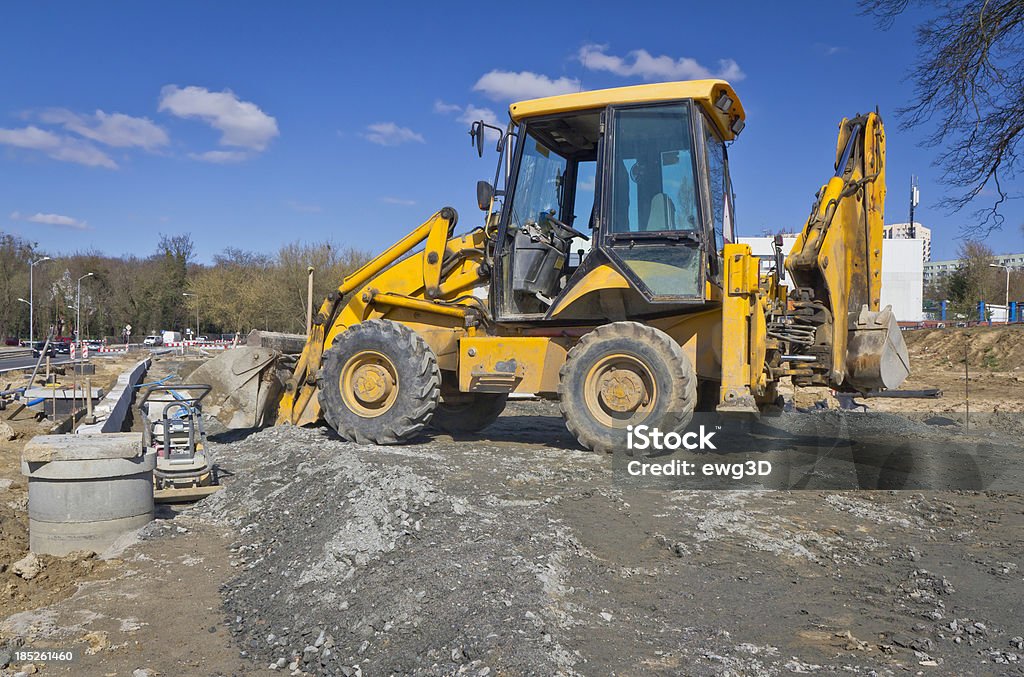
pixel 12 363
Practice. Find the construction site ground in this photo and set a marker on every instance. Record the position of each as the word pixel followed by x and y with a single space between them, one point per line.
pixel 516 552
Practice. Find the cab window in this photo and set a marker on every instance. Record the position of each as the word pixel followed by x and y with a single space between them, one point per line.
pixel 718 185
pixel 653 171
pixel 540 184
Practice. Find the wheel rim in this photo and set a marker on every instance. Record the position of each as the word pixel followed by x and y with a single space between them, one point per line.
pixel 369 383
pixel 620 390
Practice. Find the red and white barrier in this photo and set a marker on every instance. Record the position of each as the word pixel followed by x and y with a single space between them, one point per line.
pixel 209 345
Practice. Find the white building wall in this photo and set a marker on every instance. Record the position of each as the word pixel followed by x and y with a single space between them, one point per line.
pixel 901 231
pixel 762 247
pixel 902 272
pixel 903 278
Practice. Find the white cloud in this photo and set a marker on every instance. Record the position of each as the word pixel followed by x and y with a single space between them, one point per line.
pixel 305 208
pixel 111 129
pixel 57 146
pixel 220 157
pixel 398 201
pixel 471 114
pixel 442 107
pixel 828 50
pixel 390 134
pixel 506 85
pixel 643 64
pixel 51 220
pixel 242 124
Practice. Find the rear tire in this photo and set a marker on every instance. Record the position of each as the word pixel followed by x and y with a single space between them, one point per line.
pixel 379 383
pixel 625 373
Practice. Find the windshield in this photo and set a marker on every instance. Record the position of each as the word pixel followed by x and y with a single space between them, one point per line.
pixel 653 187
pixel 539 184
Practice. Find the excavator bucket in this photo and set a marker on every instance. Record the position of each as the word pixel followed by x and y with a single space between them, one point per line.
pixel 245 386
pixel 876 356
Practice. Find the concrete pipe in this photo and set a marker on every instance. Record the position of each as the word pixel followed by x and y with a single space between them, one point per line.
pixel 84 491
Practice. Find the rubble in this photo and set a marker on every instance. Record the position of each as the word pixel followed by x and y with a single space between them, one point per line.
pixel 7 433
pixel 28 567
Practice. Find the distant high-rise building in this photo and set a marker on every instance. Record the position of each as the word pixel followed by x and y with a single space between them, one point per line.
pixel 936 270
pixel 903 231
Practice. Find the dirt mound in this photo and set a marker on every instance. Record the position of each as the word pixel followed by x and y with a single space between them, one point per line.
pixel 57 577
pixel 995 348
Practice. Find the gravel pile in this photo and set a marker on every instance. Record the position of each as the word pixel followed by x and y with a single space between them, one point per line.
pixel 345 556
pixel 516 553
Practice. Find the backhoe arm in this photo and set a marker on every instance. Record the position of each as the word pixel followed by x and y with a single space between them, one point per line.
pixel 836 266
pixel 301 387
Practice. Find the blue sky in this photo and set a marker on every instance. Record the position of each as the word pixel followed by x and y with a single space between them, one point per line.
pixel 256 124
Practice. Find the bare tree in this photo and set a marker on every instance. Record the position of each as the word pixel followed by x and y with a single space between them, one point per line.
pixel 969 85
pixel 15 255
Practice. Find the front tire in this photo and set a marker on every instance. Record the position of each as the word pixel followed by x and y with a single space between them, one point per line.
pixel 379 383
pixel 622 374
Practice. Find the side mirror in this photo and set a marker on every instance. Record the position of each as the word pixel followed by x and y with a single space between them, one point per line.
pixel 476 134
pixel 484 195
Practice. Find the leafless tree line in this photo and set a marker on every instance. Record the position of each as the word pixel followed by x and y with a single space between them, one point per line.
pixel 237 292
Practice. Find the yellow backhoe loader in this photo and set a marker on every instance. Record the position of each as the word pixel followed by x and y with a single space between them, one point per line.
pixel 606 275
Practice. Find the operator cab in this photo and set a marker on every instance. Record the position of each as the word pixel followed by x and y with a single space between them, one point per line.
pixel 634 177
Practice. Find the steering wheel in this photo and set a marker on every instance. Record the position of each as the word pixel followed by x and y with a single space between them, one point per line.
pixel 573 231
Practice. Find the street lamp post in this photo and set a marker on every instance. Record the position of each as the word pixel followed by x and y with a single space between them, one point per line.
pixel 29 312
pixel 999 265
pixel 195 337
pixel 32 299
pixel 78 319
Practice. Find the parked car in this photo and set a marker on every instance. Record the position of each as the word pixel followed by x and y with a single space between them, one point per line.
pixel 94 344
pixel 153 340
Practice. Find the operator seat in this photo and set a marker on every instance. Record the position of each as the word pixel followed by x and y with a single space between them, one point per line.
pixel 663 214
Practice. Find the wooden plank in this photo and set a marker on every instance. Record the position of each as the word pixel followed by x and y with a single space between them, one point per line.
pixel 185 494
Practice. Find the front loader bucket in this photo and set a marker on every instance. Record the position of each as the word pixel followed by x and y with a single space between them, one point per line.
pixel 876 355
pixel 245 386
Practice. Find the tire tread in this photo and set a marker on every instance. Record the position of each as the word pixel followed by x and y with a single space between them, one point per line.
pixel 404 342
pixel 682 372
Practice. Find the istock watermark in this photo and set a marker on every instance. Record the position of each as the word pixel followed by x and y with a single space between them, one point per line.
pixel 678 468
pixel 822 450
pixel 644 438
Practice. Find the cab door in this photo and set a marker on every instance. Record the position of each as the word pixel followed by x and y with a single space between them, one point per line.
pixel 654 221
